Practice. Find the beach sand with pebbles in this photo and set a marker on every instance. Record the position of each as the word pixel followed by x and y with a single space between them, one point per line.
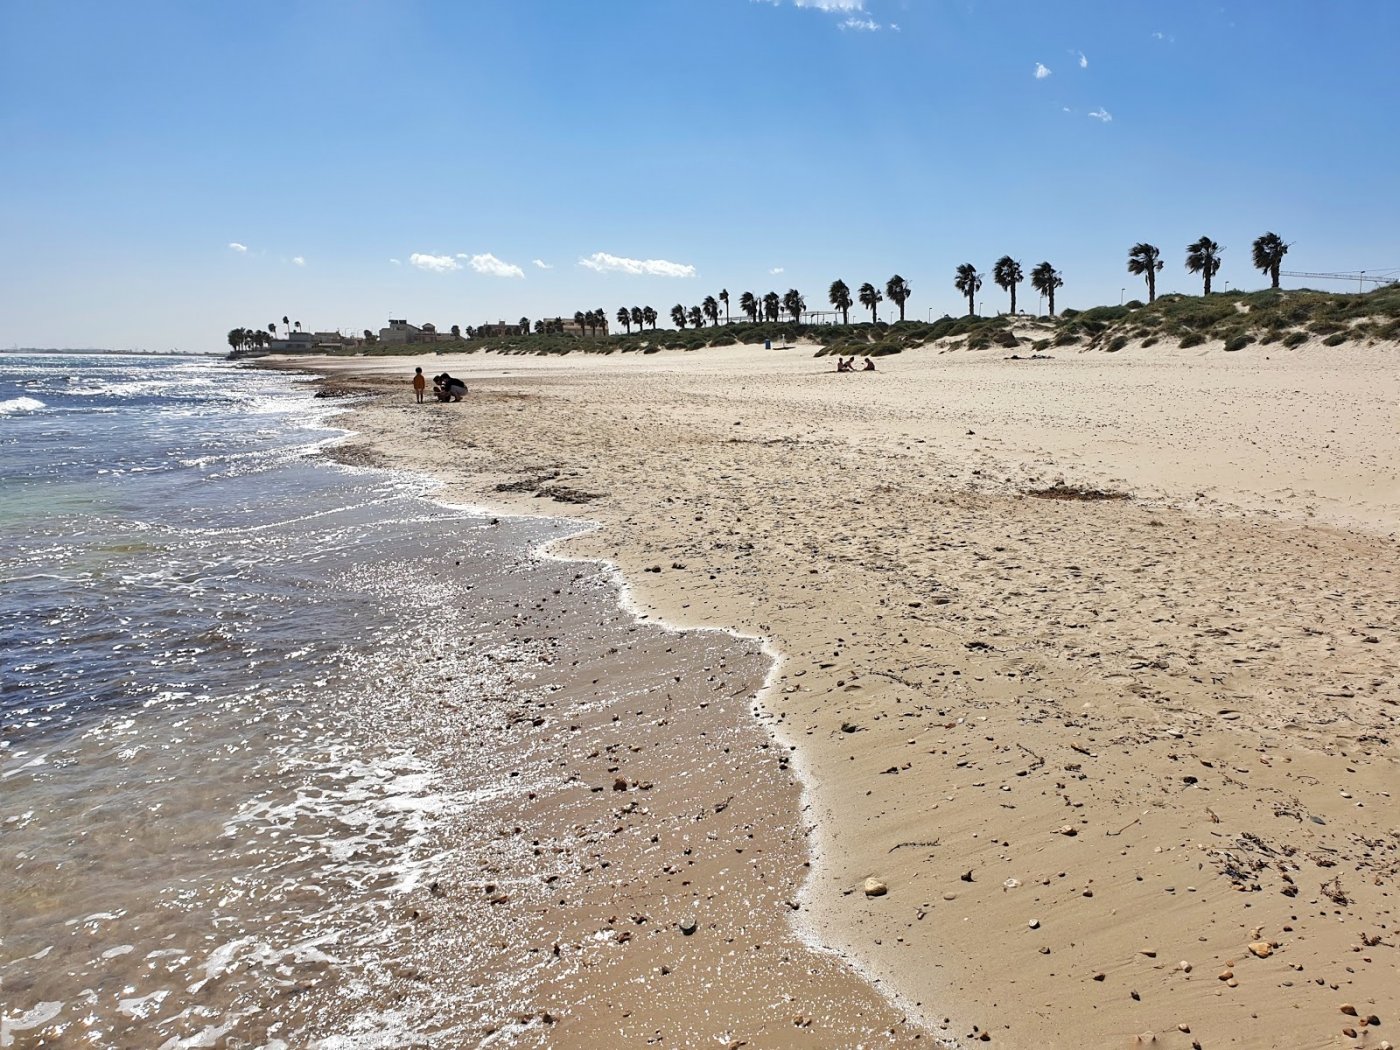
pixel 1093 663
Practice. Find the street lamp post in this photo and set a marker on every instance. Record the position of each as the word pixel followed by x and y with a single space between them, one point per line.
pixel 1122 292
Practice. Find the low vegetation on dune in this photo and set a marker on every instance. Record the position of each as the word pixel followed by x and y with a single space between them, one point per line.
pixel 1236 320
pixel 1230 320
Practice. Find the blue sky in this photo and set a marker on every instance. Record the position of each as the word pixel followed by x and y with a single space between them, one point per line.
pixel 174 169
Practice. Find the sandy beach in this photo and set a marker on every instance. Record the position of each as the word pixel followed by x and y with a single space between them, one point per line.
pixel 1125 765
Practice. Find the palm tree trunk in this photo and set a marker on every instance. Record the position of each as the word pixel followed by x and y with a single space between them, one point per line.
pixel 1151 286
pixel 1013 299
pixel 971 306
pixel 1273 273
pixel 1052 302
pixel 1207 280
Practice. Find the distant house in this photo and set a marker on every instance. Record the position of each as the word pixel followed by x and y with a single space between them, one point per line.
pixel 310 343
pixel 499 328
pixel 400 331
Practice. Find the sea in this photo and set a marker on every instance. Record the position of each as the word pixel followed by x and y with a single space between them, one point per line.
pixel 250 698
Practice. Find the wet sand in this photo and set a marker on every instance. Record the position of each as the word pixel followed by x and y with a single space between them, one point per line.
pixel 1126 765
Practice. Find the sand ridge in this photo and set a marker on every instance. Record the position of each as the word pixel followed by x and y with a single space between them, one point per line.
pixel 1096 750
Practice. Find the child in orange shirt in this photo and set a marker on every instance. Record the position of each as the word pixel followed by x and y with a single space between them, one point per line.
pixel 420 384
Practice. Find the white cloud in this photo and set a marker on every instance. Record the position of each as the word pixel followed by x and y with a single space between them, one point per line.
pixel 396 262
pixel 1083 61
pixel 434 263
pixel 541 264
pixel 605 263
pixel 1164 37
pixel 1041 71
pixel 832 5
pixel 776 270
pixel 860 25
pixel 493 267
pixel 298 260
pixel 240 248
pixel 1101 114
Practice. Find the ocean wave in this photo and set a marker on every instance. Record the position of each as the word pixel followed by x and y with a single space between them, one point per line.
pixel 21 404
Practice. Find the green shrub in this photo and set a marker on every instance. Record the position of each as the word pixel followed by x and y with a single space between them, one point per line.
pixel 884 349
pixel 1293 339
pixel 1065 338
pixel 1238 342
pixel 1335 340
pixel 1191 339
pixel 1117 343
pixel 1151 340
pixel 1069 314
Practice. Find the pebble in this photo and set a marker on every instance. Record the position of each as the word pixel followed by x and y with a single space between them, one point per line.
pixel 1348 1009
pixel 1184 966
pixel 1261 949
pixel 875 888
pixel 1034 924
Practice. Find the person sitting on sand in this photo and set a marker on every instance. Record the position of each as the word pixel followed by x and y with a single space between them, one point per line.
pixel 869 365
pixel 420 384
pixel 842 365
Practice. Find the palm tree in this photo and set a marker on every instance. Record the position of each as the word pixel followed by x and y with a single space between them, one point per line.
pixel 524 326
pixel 794 304
pixel 678 316
pixel 1007 274
pixel 539 326
pixel 711 308
pixel 637 317
pixel 839 296
pixel 696 317
pixel 649 316
pixel 1145 260
pixel 457 329
pixel 1203 257
pixel 969 282
pixel 580 320
pixel 749 305
pixel 286 325
pixel 771 302
pixel 724 298
pixel 870 298
pixel 898 290
pixel 1044 279
pixel 624 318
pixel 235 338
pixel 273 329
pixel 298 324
pixel 1269 251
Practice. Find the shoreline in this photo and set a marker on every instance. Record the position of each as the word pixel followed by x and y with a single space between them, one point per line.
pixel 856 1004
pixel 578 431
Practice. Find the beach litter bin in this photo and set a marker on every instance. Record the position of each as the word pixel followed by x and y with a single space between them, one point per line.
pixel 768 344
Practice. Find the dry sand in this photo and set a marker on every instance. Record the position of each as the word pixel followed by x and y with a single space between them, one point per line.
pixel 1127 766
